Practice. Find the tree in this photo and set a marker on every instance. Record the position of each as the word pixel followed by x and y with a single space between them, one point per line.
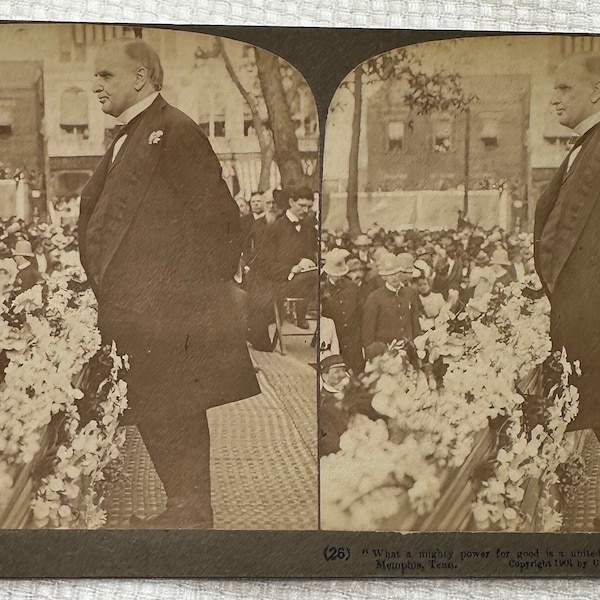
pixel 425 92
pixel 263 134
pixel 287 152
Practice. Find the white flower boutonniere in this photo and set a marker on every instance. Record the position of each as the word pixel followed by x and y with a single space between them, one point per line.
pixel 155 137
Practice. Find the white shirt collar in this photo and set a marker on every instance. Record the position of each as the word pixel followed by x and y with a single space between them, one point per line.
pixel 587 124
pixel 291 216
pixel 138 108
pixel 258 216
pixel 389 287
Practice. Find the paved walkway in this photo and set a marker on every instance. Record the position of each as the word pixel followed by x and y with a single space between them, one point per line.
pixel 263 456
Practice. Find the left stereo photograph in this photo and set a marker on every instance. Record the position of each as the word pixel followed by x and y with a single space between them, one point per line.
pixel 159 214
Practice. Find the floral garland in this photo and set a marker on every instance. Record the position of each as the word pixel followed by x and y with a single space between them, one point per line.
pixel 48 335
pixel 434 408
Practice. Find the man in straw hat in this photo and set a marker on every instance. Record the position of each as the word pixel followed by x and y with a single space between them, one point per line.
pixel 340 301
pixel 160 241
pixel 391 312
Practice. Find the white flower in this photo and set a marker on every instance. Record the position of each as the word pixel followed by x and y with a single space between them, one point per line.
pixel 155 137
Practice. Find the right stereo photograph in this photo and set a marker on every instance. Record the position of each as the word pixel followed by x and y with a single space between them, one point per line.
pixel 459 289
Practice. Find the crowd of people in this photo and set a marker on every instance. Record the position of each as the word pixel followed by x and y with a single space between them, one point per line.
pixel 279 259
pixel 388 285
pixel 31 252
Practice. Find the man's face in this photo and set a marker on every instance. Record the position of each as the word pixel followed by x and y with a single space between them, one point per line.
pixel 301 208
pixel 114 80
pixel 356 275
pixel 397 279
pixel 336 378
pixel 573 93
pixel 269 204
pixel 256 204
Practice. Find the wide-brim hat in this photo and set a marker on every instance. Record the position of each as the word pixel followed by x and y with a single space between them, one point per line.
pixel 336 268
pixel 392 264
pixel 335 262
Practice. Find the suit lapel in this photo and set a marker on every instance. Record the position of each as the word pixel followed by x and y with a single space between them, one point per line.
pixel 544 206
pixel 582 191
pixel 136 166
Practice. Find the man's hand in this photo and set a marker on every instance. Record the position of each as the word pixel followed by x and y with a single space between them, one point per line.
pixel 304 265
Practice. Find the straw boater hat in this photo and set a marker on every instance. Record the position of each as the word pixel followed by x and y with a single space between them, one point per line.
pixel 23 248
pixel 391 264
pixel 335 263
pixel 500 257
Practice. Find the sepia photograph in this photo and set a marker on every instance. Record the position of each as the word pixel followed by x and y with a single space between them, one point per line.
pixel 459 293
pixel 158 238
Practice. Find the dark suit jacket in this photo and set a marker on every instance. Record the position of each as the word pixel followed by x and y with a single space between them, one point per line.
pixel 163 274
pixel 389 316
pixel 283 246
pixel 444 281
pixel 252 230
pixel 574 286
pixel 342 304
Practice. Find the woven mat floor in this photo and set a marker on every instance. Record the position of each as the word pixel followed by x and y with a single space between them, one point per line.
pixel 263 457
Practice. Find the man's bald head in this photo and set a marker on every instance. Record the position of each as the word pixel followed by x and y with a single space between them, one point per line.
pixel 141 54
pixel 577 89
pixel 127 71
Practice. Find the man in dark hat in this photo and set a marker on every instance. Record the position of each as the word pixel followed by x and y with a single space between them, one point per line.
pixel 339 399
pixel 159 237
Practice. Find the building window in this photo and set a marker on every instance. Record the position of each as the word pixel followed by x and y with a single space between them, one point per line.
pixel 489 131
pixel 249 130
pixel 395 135
pixel 74 119
pixel 6 117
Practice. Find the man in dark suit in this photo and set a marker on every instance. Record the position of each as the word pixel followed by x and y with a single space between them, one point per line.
pixel 567 225
pixel 392 311
pixel 160 241
pixel 249 223
pixel 283 267
pixel 448 272
pixel 340 302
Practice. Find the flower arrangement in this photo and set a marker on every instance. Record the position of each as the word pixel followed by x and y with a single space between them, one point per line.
pixel 48 336
pixel 463 384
